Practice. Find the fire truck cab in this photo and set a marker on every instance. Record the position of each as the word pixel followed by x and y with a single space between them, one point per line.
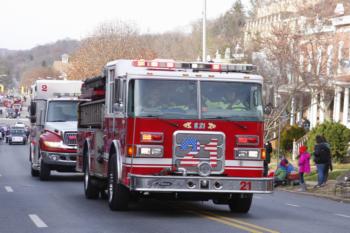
pixel 178 130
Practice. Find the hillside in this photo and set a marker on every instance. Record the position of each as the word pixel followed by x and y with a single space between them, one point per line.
pixel 15 63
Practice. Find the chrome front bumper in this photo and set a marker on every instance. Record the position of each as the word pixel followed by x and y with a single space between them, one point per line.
pixel 200 184
pixel 62 159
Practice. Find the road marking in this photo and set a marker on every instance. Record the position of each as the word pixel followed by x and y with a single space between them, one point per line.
pixel 257 197
pixel 9 189
pixel 249 227
pixel 0 175
pixel 252 226
pixel 224 221
pixel 292 205
pixel 343 215
pixel 37 221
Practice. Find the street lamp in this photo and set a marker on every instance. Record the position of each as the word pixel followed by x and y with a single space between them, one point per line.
pixel 204 52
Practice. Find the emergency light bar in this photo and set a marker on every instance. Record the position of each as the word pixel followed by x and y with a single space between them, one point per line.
pixel 194 66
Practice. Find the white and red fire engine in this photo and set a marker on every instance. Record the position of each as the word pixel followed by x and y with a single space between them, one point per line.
pixel 53 116
pixel 173 129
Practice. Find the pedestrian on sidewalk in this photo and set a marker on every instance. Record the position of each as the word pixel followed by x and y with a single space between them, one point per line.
pixel 268 149
pixel 321 159
pixel 280 173
pixel 304 166
pixel 329 165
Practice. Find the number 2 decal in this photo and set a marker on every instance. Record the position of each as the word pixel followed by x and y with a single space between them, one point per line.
pixel 245 185
pixel 44 87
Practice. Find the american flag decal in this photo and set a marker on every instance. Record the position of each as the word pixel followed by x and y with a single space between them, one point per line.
pixel 192 158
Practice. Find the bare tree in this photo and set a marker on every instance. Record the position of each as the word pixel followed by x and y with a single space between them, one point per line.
pixel 110 41
pixel 293 64
pixel 36 73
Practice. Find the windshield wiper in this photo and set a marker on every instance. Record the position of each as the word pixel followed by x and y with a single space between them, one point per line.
pixel 58 121
pixel 227 118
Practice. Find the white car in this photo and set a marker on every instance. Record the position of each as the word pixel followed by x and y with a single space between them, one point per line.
pixel 20 124
pixel 17 136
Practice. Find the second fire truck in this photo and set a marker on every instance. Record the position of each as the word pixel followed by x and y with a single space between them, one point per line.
pixel 175 130
pixel 53 116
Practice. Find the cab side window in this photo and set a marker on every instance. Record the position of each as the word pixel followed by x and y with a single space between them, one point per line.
pixel 111 87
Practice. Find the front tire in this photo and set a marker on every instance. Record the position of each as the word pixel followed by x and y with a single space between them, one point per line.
pixel 91 191
pixel 241 203
pixel 44 171
pixel 118 194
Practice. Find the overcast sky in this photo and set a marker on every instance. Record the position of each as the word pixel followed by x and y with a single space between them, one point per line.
pixel 27 23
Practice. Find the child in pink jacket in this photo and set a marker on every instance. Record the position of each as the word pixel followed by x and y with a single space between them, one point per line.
pixel 304 166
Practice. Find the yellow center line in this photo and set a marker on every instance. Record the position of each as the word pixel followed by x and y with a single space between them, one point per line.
pixel 224 222
pixel 239 222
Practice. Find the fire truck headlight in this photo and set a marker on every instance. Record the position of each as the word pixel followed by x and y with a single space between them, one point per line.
pixel 247 154
pixel 253 154
pixel 242 154
pixel 53 144
pixel 157 151
pixel 149 151
pixel 145 151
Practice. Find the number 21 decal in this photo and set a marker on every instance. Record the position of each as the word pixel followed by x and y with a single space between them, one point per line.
pixel 245 185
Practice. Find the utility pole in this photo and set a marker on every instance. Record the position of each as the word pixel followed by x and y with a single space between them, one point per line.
pixel 204 52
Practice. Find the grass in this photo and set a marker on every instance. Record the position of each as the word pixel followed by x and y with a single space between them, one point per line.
pixel 332 174
pixel 338 169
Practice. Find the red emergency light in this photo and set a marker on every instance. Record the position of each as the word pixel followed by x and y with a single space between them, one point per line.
pixel 247 140
pixel 155 64
pixel 151 137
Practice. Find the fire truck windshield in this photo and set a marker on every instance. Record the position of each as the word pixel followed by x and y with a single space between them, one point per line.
pixel 178 99
pixel 163 98
pixel 61 111
pixel 231 100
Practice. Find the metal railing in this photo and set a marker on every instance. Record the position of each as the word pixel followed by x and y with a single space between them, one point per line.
pixel 297 144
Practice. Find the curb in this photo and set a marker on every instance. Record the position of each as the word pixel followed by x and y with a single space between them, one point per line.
pixel 333 198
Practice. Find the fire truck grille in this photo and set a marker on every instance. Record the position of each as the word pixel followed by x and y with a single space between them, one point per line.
pixel 70 138
pixel 199 152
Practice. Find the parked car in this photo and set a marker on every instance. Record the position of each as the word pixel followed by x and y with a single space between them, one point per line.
pixel 17 135
pixel 17 108
pixel 11 113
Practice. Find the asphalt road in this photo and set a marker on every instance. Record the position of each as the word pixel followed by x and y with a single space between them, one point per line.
pixel 28 205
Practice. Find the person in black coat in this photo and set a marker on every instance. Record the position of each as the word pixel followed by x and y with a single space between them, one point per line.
pixel 268 150
pixel 329 165
pixel 322 156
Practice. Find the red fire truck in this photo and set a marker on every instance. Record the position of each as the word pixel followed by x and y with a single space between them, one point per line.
pixel 176 130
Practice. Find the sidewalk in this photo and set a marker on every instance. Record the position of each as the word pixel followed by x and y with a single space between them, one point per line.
pixel 328 191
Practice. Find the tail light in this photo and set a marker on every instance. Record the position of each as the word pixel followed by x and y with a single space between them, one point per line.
pixel 247 140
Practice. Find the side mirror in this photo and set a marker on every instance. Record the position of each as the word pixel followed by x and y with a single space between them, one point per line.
pixel 118 107
pixel 32 119
pixel 32 109
pixel 268 109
